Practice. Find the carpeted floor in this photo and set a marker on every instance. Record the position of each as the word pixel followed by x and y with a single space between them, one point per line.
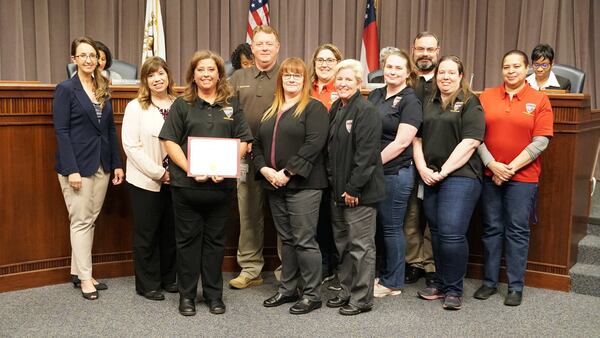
pixel 60 310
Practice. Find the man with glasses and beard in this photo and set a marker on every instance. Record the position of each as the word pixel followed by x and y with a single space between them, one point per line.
pixel 419 255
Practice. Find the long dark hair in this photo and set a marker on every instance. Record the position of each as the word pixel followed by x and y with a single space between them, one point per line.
pixel 100 82
pixel 151 65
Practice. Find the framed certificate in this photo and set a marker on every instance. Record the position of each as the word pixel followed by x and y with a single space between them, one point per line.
pixel 213 156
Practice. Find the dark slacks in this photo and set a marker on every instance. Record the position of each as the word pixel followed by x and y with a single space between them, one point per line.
pixel 154 254
pixel 329 255
pixel 200 218
pixel 295 214
pixel 354 233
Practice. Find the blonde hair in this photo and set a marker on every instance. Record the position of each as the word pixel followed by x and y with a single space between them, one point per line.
pixel 265 29
pixel 151 65
pixel 100 83
pixel 295 66
pixel 353 65
pixel 224 89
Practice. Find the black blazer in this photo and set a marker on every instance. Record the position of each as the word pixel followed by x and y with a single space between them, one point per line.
pixel 354 153
pixel 299 147
pixel 83 143
pixel 563 83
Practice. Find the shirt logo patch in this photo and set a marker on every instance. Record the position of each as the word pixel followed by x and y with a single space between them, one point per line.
pixel 228 112
pixel 457 106
pixel 396 101
pixel 349 125
pixel 530 107
pixel 333 96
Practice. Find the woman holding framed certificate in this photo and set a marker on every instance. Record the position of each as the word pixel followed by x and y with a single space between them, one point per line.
pixel 288 157
pixel 202 203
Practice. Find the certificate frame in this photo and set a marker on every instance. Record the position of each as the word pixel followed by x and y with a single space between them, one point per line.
pixel 213 156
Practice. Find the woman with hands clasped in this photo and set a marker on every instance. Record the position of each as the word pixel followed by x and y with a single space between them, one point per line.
pixel 288 156
pixel 444 154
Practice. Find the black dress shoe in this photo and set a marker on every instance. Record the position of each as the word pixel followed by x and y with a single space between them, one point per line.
pixel 413 274
pixel 429 278
pixel 187 307
pixel 278 299
pixel 216 306
pixel 305 305
pixel 337 301
pixel 351 310
pixel 513 298
pixel 101 286
pixel 90 295
pixel 77 283
pixel 152 295
pixel 484 292
pixel 171 287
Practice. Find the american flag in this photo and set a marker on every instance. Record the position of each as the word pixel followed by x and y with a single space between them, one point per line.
pixel 369 51
pixel 258 15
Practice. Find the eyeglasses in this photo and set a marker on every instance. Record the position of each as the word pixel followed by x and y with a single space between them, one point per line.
pixel 320 61
pixel 541 65
pixel 428 50
pixel 295 77
pixel 92 57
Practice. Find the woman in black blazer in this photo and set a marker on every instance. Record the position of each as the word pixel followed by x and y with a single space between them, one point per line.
pixel 288 154
pixel 87 151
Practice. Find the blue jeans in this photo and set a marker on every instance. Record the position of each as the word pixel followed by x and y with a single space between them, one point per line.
pixel 390 216
pixel 506 210
pixel 448 208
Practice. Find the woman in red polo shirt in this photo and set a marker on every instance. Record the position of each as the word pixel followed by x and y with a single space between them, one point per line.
pixel 519 124
pixel 324 60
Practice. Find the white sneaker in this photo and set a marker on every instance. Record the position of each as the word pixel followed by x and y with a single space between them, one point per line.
pixel 381 291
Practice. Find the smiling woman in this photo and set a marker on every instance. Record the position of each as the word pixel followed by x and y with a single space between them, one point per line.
pixel 148 179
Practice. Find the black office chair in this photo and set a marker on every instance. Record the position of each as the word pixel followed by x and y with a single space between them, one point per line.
pixel 375 76
pixel 126 70
pixel 576 76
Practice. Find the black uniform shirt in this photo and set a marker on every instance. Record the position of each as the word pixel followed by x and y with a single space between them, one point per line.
pixel 201 119
pixel 444 129
pixel 403 107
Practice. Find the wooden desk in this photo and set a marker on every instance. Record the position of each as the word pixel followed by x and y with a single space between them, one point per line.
pixel 34 242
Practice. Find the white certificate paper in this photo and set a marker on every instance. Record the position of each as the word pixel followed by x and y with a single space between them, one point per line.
pixel 213 157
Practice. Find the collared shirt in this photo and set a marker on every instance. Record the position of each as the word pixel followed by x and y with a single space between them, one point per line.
pixel 552 81
pixel 201 119
pixel 255 90
pixel 443 129
pixel 424 87
pixel 327 95
pixel 403 107
pixel 512 124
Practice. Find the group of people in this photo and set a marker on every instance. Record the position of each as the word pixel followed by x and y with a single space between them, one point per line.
pixel 334 167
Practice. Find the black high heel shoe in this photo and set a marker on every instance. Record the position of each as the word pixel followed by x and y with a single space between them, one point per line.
pixel 90 295
pixel 77 283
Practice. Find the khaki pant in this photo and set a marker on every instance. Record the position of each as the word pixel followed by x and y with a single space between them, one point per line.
pixel 84 206
pixel 418 237
pixel 251 200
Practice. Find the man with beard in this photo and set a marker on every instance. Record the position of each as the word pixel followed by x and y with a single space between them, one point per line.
pixel 419 255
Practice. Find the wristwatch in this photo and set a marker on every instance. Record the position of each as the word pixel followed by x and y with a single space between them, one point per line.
pixel 287 173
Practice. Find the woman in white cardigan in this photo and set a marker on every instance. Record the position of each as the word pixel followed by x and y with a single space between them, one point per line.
pixel 148 180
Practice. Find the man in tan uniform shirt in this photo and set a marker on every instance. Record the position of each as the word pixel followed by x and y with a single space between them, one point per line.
pixel 255 88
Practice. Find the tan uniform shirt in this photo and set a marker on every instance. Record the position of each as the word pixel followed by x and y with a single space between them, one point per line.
pixel 256 90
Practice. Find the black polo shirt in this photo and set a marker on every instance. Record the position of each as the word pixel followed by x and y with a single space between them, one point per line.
pixel 424 88
pixel 201 119
pixel 403 107
pixel 443 130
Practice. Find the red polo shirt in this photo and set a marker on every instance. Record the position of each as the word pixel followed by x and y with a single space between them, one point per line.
pixel 510 126
pixel 327 96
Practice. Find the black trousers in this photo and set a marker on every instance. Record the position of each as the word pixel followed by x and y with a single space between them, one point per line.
pixel 200 219
pixel 154 254
pixel 329 254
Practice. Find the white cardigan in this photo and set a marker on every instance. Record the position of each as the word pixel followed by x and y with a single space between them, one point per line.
pixel 145 154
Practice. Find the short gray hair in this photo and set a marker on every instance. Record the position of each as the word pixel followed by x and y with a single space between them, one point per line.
pixel 354 65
